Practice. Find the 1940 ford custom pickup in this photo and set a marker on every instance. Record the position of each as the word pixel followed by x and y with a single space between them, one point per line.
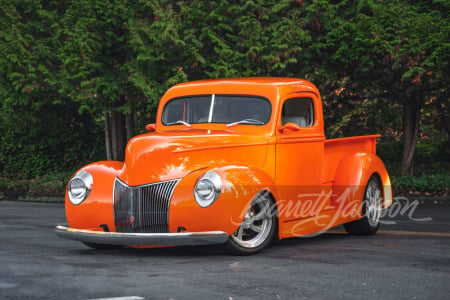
pixel 235 162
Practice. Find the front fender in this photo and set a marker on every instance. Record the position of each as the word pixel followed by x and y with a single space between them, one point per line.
pixel 97 208
pixel 240 185
pixel 352 176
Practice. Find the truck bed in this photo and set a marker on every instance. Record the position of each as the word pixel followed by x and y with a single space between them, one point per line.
pixel 336 149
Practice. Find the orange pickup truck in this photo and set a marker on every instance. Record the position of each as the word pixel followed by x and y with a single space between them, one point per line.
pixel 235 162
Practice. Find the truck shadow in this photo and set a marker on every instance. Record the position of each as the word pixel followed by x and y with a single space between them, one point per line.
pixel 323 242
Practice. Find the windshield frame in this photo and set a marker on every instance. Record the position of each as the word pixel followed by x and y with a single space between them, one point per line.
pixel 211 109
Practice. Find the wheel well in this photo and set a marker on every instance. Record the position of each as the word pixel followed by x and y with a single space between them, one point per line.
pixel 275 206
pixel 378 177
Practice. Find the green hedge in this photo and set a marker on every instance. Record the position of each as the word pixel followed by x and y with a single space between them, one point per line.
pixel 53 184
pixel 435 185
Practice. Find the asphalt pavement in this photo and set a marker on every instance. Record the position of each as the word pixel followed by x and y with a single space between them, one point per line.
pixel 409 258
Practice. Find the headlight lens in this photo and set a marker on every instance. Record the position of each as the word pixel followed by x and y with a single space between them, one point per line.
pixel 80 187
pixel 208 189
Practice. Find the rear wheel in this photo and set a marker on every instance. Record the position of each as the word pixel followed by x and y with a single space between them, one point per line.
pixel 371 210
pixel 257 229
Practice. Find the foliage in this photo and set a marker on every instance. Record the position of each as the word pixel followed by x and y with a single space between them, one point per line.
pixel 395 55
pixel 50 184
pixel 41 129
pixel 434 184
pixel 75 73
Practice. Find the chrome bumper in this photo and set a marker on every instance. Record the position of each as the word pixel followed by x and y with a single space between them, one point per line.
pixel 141 239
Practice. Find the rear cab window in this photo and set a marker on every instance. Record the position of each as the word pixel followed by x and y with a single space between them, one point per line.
pixel 299 111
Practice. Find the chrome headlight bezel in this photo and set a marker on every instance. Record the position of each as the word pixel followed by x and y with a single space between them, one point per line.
pixel 79 187
pixel 207 189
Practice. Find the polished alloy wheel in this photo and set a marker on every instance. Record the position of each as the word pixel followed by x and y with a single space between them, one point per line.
pixel 373 198
pixel 258 224
pixel 371 210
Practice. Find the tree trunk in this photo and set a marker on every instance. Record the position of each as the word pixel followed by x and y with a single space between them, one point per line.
pixel 439 105
pixel 411 118
pixel 118 135
pixel 107 137
pixel 129 124
pixel 129 120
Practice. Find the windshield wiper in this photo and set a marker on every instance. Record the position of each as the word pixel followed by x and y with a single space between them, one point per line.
pixel 180 122
pixel 246 121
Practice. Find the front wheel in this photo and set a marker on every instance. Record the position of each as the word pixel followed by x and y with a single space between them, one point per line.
pixel 371 210
pixel 257 229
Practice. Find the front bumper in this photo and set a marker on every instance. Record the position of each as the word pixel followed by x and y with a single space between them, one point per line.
pixel 143 239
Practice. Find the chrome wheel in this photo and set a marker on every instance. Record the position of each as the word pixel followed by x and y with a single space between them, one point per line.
pixel 257 228
pixel 373 202
pixel 371 210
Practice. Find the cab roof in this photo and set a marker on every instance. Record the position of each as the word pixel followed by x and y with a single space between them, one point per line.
pixel 246 85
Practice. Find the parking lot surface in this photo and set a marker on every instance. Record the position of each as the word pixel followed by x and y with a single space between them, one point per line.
pixel 408 259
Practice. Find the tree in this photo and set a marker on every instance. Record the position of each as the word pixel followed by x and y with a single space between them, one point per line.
pixel 32 110
pixel 397 51
pixel 118 58
pixel 103 65
pixel 92 55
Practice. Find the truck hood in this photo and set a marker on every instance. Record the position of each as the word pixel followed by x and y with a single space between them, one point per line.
pixel 168 155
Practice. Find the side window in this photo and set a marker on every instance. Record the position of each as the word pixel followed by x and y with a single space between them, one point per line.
pixel 299 111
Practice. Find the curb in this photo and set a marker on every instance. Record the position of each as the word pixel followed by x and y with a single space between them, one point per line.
pixel 33 198
pixel 424 200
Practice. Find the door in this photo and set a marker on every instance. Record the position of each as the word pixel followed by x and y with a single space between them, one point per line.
pixel 299 157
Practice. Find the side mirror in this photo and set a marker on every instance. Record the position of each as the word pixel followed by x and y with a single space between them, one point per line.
pixel 151 127
pixel 289 127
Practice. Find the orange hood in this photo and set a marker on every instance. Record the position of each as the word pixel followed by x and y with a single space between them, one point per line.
pixel 170 155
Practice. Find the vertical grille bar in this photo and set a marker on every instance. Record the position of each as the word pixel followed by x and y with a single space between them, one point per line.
pixel 142 209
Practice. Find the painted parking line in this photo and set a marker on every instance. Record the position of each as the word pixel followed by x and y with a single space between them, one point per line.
pixel 121 298
pixel 398 232
pixel 414 233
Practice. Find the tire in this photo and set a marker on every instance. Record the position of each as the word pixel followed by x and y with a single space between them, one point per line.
pixel 258 228
pixel 371 210
pixel 103 246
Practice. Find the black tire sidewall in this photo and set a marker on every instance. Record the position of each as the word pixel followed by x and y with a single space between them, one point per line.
pixel 234 248
pixel 363 226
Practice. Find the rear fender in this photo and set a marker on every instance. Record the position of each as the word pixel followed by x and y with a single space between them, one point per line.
pixel 350 182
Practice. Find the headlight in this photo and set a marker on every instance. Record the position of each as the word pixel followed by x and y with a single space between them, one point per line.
pixel 208 189
pixel 80 187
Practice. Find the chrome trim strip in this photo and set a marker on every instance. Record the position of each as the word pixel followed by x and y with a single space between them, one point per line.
pixel 147 184
pixel 141 239
pixel 211 108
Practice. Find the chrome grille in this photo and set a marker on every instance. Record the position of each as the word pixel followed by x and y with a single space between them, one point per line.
pixel 142 209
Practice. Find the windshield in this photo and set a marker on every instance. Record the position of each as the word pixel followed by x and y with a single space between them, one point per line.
pixel 225 109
